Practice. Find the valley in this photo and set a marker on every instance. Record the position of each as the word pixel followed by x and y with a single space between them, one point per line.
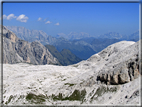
pixel 80 44
pixel 71 53
pixel 33 75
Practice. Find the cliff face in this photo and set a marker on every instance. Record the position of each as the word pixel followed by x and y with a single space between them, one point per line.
pixel 119 63
pixel 123 65
pixel 16 50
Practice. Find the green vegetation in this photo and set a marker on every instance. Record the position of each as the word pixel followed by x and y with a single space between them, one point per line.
pixel 102 90
pixel 76 95
pixel 69 84
pixel 37 99
pixel 9 99
pixel 75 65
pixel 63 79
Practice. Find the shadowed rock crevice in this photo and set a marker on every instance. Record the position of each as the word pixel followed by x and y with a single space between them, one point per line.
pixel 128 72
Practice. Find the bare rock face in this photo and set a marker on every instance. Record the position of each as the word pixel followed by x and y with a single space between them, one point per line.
pixel 16 50
pixel 121 75
pixel 124 71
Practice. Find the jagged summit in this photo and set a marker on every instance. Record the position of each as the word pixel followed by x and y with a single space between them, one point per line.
pixel 32 35
pixel 16 50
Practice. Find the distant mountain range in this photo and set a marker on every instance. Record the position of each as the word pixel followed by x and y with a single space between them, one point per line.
pixel 16 50
pixel 134 37
pixel 32 35
pixel 73 35
pixel 111 35
pixel 81 49
pixel 80 44
pixel 114 35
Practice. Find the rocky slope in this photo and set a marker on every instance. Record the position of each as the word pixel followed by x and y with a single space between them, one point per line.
pixel 110 77
pixel 16 50
pixel 65 57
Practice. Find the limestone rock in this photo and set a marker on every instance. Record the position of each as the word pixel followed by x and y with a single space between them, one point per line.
pixel 79 84
pixel 125 68
pixel 16 50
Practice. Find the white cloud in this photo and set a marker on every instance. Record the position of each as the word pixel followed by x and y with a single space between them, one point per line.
pixel 57 24
pixel 47 22
pixel 22 18
pixel 4 16
pixel 39 18
pixel 11 16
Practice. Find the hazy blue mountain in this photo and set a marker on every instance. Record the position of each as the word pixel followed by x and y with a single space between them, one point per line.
pixel 32 35
pixel 81 49
pixel 100 44
pixel 97 44
pixel 74 35
pixel 86 40
pixel 134 36
pixel 80 44
pixel 65 57
pixel 111 35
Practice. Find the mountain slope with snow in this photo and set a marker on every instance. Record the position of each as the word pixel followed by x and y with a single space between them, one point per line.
pixel 110 77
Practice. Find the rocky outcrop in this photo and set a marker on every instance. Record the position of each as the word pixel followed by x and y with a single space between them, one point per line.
pixel 16 50
pixel 126 70
pixel 119 63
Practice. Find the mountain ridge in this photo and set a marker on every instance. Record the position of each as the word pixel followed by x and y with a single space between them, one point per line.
pixel 110 77
pixel 83 46
pixel 65 57
pixel 16 50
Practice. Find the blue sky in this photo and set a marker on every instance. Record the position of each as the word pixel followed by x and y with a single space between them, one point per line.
pixel 92 18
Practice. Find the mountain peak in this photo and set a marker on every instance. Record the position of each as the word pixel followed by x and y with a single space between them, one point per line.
pixel 74 35
pixel 111 35
pixel 17 50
